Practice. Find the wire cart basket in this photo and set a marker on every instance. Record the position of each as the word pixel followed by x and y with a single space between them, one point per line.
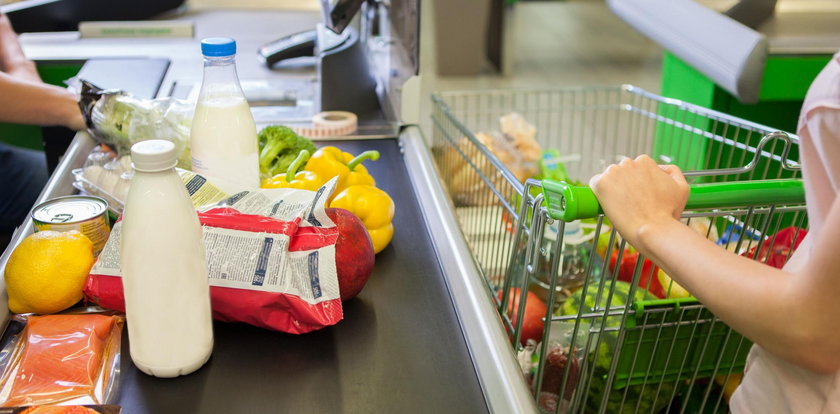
pixel 595 326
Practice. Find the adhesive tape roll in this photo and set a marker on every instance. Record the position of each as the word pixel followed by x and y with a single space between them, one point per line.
pixel 330 124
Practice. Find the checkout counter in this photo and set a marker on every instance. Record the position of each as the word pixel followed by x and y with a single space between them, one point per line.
pixel 422 336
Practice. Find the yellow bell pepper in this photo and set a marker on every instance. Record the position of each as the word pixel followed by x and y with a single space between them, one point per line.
pixel 329 162
pixel 374 207
pixel 292 178
pixel 358 174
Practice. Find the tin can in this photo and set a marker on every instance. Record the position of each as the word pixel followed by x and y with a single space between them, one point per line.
pixel 87 214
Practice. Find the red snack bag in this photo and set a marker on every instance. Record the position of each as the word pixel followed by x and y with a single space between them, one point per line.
pixel 270 257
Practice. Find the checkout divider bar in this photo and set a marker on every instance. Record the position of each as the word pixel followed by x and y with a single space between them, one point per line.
pixel 492 356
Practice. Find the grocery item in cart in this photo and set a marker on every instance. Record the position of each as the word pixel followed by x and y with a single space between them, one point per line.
pixel 515 146
pixel 271 257
pixel 522 135
pixel 167 297
pixel 531 319
pixel 778 247
pixel 632 398
pixel 223 137
pixel 62 359
pixel 562 361
pixel 119 119
pixel 575 261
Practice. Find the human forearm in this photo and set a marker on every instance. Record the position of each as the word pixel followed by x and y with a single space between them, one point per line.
pixel 751 297
pixel 12 59
pixel 38 104
pixel 791 313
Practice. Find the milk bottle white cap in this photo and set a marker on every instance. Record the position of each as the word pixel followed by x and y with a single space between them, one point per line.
pixel 153 155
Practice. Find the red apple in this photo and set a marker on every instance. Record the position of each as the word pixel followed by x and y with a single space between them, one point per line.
pixel 354 256
pixel 532 322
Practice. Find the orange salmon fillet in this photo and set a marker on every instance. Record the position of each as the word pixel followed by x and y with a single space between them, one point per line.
pixel 61 359
pixel 59 409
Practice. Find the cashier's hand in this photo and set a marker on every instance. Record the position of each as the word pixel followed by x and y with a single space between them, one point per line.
pixel 639 195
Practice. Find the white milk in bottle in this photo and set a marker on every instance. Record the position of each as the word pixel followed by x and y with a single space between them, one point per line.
pixel 167 295
pixel 223 138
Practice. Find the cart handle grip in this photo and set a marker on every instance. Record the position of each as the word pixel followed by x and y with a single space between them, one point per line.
pixel 569 202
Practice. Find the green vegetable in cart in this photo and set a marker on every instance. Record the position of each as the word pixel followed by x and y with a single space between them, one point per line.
pixel 620 295
pixel 643 398
pixel 279 146
pixel 647 398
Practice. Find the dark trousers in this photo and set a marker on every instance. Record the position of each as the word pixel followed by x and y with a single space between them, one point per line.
pixel 23 174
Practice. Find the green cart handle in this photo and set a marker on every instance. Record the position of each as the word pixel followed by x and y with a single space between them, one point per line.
pixel 572 202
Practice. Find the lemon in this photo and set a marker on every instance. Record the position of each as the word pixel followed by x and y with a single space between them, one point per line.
pixel 46 272
pixel 674 290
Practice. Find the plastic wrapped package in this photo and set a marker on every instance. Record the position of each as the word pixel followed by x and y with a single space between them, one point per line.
pixel 558 358
pixel 119 119
pixel 106 175
pixel 515 146
pixel 62 359
pixel 522 135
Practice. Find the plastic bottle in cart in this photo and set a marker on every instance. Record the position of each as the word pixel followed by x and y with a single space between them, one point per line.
pixel 574 260
pixel 223 136
pixel 577 249
pixel 167 295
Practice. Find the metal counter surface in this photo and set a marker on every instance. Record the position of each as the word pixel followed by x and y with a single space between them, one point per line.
pixel 422 336
pixel 415 340
pixel 399 349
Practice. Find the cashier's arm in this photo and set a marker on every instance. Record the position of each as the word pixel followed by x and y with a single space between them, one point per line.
pixel 793 315
pixel 23 97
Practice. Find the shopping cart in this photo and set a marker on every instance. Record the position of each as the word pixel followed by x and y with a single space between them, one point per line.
pixel 618 335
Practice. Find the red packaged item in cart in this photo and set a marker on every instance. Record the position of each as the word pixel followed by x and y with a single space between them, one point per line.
pixel 270 258
pixel 67 358
pixel 776 249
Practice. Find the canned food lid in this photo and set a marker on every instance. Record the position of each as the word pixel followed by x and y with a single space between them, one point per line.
pixel 70 209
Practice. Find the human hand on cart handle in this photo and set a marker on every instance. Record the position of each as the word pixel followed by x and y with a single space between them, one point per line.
pixel 637 193
pixel 643 201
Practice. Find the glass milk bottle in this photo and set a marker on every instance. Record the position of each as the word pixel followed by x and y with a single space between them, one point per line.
pixel 223 138
pixel 167 296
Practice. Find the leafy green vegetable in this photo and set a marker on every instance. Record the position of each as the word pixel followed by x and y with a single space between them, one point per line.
pixel 650 397
pixel 120 120
pixel 279 146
